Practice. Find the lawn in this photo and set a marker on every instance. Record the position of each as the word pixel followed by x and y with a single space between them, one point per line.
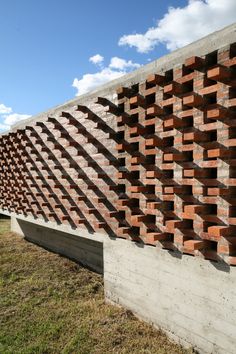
pixel 49 304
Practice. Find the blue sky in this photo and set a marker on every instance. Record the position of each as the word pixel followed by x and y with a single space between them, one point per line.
pixel 46 45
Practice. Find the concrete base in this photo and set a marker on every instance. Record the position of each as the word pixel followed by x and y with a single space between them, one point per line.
pixel 193 300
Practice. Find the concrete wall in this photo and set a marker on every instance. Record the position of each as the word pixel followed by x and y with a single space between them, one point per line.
pixel 193 300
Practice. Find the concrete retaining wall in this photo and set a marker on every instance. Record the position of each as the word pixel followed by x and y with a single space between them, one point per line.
pixel 194 301
pixel 81 249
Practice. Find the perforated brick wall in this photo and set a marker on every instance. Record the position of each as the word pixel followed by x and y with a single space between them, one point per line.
pixel 156 165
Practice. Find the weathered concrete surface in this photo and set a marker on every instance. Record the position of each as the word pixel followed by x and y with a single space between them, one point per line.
pixel 193 300
pixel 15 226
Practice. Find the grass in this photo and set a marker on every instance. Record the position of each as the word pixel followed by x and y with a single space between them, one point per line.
pixel 49 304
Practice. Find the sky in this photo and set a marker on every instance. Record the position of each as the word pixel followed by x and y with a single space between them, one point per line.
pixel 54 50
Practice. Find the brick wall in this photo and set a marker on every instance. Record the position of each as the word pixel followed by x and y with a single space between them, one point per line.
pixel 155 164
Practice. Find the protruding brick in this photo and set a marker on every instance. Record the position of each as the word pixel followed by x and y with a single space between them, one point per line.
pixel 193 245
pixel 219 73
pixel 218 231
pixel 194 62
pixel 154 110
pixel 193 100
pixel 155 79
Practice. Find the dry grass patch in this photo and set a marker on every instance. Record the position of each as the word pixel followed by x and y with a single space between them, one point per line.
pixel 49 304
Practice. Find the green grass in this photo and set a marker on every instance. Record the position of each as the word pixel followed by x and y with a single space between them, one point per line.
pixel 49 304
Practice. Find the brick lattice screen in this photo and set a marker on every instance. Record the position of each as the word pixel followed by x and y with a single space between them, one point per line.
pixel 158 166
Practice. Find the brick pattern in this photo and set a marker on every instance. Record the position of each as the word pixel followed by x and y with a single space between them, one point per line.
pixel 156 167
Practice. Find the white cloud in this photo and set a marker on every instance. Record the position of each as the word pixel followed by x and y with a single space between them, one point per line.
pixel 14 118
pixel 142 43
pixel 90 81
pixel 96 59
pixel 116 69
pixel 4 127
pixel 121 64
pixel 4 109
pixel 8 117
pixel 181 26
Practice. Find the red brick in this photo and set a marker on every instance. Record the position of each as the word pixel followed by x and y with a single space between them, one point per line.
pixel 155 79
pixel 193 100
pixel 193 245
pixel 154 110
pixel 218 73
pixel 194 62
pixel 218 231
